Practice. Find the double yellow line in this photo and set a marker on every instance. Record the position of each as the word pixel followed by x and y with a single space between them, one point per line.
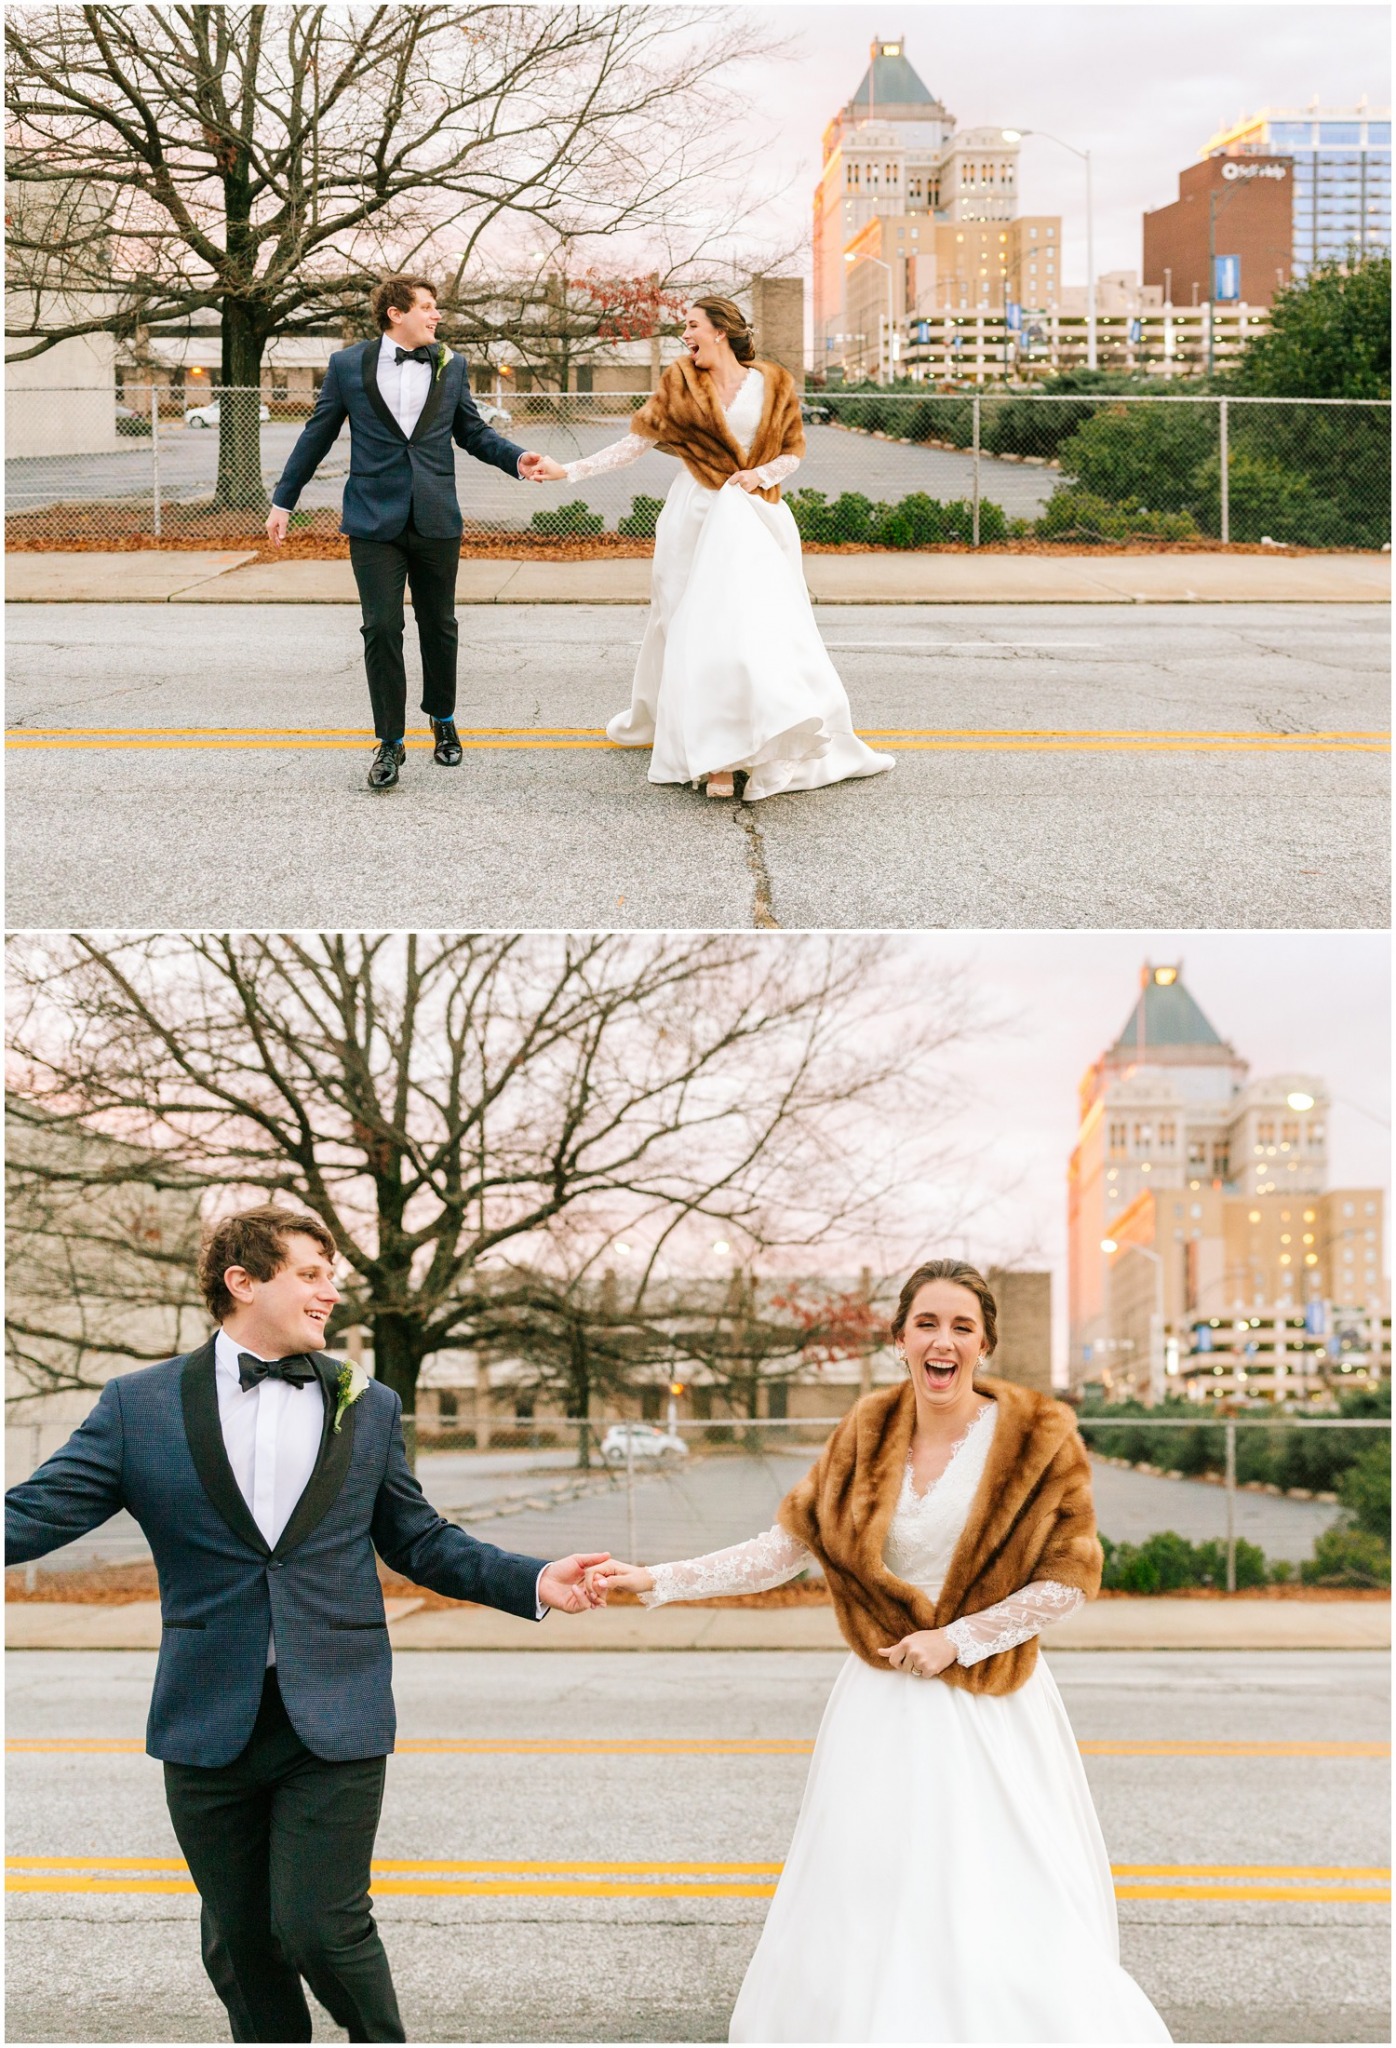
pixel 580 1879
pixel 567 739
pixel 680 1745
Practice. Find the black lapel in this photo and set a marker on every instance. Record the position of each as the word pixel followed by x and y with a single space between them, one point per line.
pixel 331 1467
pixel 199 1395
pixel 432 407
pixel 375 397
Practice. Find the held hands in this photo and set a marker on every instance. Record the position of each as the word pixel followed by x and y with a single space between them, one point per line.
pixel 747 478
pixel 923 1655
pixel 541 469
pixel 278 524
pixel 567 1585
pixel 611 1576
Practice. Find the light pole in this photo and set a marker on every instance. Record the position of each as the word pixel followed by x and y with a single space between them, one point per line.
pixel 852 256
pixel 1110 1246
pixel 1018 135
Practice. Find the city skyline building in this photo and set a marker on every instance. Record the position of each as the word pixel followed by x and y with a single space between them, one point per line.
pixel 914 216
pixel 1340 188
pixel 1198 1199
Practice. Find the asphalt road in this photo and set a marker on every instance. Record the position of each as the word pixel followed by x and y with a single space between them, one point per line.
pixel 991 817
pixel 548 1509
pixel 490 1965
pixel 836 461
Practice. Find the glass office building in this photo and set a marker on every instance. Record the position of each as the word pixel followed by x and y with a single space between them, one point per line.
pixel 1342 177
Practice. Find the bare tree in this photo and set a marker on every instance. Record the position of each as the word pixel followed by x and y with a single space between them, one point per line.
pixel 454 1105
pixel 269 162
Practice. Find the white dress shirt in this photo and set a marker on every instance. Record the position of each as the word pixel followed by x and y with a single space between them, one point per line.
pixel 405 386
pixel 272 1434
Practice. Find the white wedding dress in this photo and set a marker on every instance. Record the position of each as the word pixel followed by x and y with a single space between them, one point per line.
pixel 732 672
pixel 947 1880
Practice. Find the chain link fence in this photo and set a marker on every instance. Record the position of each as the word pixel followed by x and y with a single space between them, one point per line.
pixel 1239 1496
pixel 887 470
pixel 1231 1502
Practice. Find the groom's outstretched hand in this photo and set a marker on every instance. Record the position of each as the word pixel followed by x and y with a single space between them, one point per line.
pixel 565 1585
pixel 278 523
pixel 541 469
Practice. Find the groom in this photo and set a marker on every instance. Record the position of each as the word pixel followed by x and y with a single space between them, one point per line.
pixel 406 398
pixel 265 1476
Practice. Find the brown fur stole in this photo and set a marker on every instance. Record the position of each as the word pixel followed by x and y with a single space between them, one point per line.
pixel 683 418
pixel 1031 1518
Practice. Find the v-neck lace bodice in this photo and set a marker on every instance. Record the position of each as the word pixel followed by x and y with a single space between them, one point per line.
pixel 926 1526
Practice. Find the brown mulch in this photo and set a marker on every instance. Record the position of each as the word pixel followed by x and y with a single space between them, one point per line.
pixel 118 1585
pixel 111 531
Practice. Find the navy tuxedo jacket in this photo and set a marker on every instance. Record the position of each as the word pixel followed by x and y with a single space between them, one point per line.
pixel 391 475
pixel 154 1445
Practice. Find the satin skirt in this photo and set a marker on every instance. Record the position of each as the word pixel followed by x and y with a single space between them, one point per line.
pixel 732 672
pixel 947 1881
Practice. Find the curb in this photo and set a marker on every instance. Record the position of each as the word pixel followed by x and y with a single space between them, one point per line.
pixel 1107 1625
pixel 153 576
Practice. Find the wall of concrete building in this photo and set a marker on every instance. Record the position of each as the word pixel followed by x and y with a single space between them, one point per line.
pixel 778 322
pixel 1254 204
pixel 1024 1353
pixel 63 402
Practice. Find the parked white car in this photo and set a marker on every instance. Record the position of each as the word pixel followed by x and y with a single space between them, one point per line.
pixel 208 415
pixel 493 415
pixel 648 1445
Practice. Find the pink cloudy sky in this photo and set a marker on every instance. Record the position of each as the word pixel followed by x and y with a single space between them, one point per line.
pixel 1141 86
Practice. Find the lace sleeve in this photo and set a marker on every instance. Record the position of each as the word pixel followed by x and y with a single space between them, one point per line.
pixel 776 471
pixel 619 455
pixel 1012 1621
pixel 752 1567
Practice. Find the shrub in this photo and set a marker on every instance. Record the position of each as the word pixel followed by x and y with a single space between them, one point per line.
pixel 1142 454
pixel 1075 514
pixel 568 521
pixel 1167 1562
pixel 1348 1557
pixel 641 520
pixel 1365 1491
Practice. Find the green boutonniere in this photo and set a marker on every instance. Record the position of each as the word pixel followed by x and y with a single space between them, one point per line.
pixel 442 361
pixel 350 1385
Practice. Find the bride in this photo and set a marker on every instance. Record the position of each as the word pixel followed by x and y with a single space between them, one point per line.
pixel 947 1880
pixel 732 672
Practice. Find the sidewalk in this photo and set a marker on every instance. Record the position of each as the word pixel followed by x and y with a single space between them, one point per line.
pixel 1161 1624
pixel 233 577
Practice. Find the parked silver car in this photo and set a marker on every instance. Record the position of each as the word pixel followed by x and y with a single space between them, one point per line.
pixel 648 1445
pixel 209 415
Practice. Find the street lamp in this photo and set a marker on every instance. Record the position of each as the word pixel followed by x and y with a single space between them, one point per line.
pixel 853 256
pixel 1019 135
pixel 1110 1246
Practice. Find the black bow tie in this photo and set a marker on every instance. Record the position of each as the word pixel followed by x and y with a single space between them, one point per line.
pixel 415 355
pixel 297 1371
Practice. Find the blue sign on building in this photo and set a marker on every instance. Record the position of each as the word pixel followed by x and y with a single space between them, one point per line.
pixel 1226 278
pixel 1136 330
pixel 1315 1318
pixel 1013 316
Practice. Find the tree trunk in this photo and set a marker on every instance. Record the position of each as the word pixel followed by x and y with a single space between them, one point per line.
pixel 580 1374
pixel 396 1359
pixel 240 487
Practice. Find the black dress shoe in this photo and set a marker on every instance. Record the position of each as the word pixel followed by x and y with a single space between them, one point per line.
pixel 386 762
pixel 447 749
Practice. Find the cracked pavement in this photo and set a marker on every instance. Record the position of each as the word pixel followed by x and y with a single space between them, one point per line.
pixel 959 835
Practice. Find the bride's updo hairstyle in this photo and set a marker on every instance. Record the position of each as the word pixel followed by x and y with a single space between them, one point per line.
pixel 728 319
pixel 963 1276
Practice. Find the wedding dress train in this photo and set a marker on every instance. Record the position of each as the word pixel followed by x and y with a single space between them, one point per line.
pixel 947 1880
pixel 732 672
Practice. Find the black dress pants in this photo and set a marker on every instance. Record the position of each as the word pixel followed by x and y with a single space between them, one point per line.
pixel 278 1843
pixel 383 569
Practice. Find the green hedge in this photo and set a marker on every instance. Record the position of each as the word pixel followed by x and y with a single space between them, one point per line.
pixel 1313 1458
pixel 641 520
pixel 574 520
pixel 916 521
pixel 1168 1563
